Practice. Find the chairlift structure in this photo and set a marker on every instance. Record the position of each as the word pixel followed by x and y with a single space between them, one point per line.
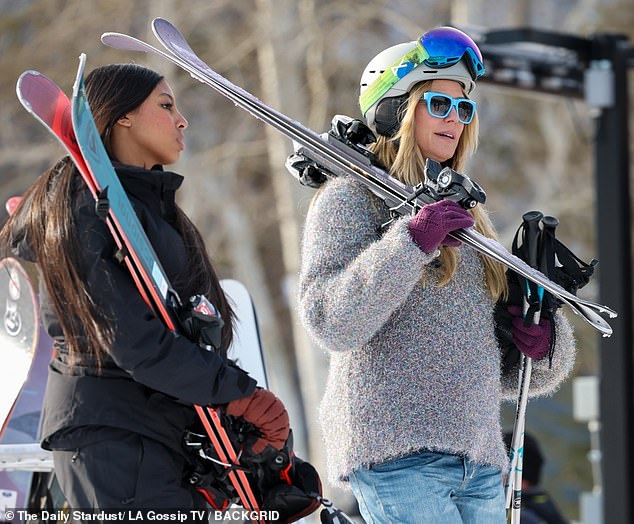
pixel 595 70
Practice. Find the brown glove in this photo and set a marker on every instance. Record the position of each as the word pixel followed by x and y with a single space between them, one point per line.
pixel 267 413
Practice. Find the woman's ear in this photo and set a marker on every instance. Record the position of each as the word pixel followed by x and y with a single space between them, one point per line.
pixel 124 121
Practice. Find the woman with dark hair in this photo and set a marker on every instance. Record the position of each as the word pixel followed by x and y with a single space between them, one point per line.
pixel 121 385
pixel 411 409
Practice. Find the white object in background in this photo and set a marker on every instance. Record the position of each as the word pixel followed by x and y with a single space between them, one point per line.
pixel 585 404
pixel 246 348
pixel 591 508
pixel 8 500
pixel 585 399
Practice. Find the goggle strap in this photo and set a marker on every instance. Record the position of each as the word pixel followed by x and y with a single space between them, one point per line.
pixel 390 76
pixel 474 64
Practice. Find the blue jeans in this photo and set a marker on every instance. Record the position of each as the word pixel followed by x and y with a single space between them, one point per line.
pixel 434 488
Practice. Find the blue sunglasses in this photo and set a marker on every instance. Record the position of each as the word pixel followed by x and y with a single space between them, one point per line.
pixel 440 105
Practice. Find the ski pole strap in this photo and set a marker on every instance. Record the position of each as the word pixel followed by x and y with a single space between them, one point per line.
pixel 547 266
pixel 564 268
pixel 572 273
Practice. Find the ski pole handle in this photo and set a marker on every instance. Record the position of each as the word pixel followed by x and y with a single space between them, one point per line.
pixel 547 261
pixel 550 223
pixel 532 241
pixel 531 221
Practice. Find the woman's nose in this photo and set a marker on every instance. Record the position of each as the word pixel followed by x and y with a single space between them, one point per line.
pixel 182 122
pixel 453 115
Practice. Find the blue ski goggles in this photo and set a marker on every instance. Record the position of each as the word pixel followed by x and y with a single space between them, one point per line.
pixel 446 46
pixel 440 105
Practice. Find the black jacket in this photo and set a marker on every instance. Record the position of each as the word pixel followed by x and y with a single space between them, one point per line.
pixel 539 508
pixel 148 367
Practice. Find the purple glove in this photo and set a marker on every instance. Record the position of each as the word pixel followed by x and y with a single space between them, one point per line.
pixel 430 226
pixel 534 340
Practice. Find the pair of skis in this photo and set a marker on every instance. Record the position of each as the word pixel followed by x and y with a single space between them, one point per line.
pixel 339 158
pixel 73 125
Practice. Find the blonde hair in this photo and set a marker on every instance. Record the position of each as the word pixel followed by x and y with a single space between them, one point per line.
pixel 404 161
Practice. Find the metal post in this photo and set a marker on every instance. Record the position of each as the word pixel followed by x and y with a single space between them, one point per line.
pixel 614 247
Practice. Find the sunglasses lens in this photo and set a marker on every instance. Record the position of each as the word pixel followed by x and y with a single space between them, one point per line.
pixel 439 106
pixel 465 111
pixel 447 46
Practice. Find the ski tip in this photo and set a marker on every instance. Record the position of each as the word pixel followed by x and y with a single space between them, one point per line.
pixel 21 78
pixel 602 327
pixel 159 20
pixel 79 79
pixel 162 27
pixel 592 317
pixel 129 43
pixel 12 204
pixel 112 38
pixel 29 72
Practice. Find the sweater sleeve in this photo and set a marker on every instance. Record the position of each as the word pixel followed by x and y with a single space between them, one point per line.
pixel 352 277
pixel 546 379
pixel 142 345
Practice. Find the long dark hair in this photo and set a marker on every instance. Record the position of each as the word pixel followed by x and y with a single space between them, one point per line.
pixel 45 220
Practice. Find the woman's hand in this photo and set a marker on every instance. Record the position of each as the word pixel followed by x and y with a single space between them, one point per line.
pixel 431 225
pixel 533 340
pixel 267 413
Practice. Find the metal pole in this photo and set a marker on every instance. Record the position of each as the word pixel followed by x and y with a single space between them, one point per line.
pixel 614 247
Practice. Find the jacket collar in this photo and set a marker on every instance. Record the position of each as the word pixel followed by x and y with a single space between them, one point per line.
pixel 154 187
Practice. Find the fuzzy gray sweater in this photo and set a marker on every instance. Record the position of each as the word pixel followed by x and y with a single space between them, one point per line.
pixel 412 366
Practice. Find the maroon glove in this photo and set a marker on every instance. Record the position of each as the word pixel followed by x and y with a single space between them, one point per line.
pixel 267 413
pixel 430 226
pixel 533 340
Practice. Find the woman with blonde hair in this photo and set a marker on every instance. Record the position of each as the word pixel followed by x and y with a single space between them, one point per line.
pixel 411 413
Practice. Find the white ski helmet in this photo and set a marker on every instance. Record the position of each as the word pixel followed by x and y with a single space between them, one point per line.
pixel 444 53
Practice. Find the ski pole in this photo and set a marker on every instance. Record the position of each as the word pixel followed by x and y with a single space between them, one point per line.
pixel 530 241
pixel 547 264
